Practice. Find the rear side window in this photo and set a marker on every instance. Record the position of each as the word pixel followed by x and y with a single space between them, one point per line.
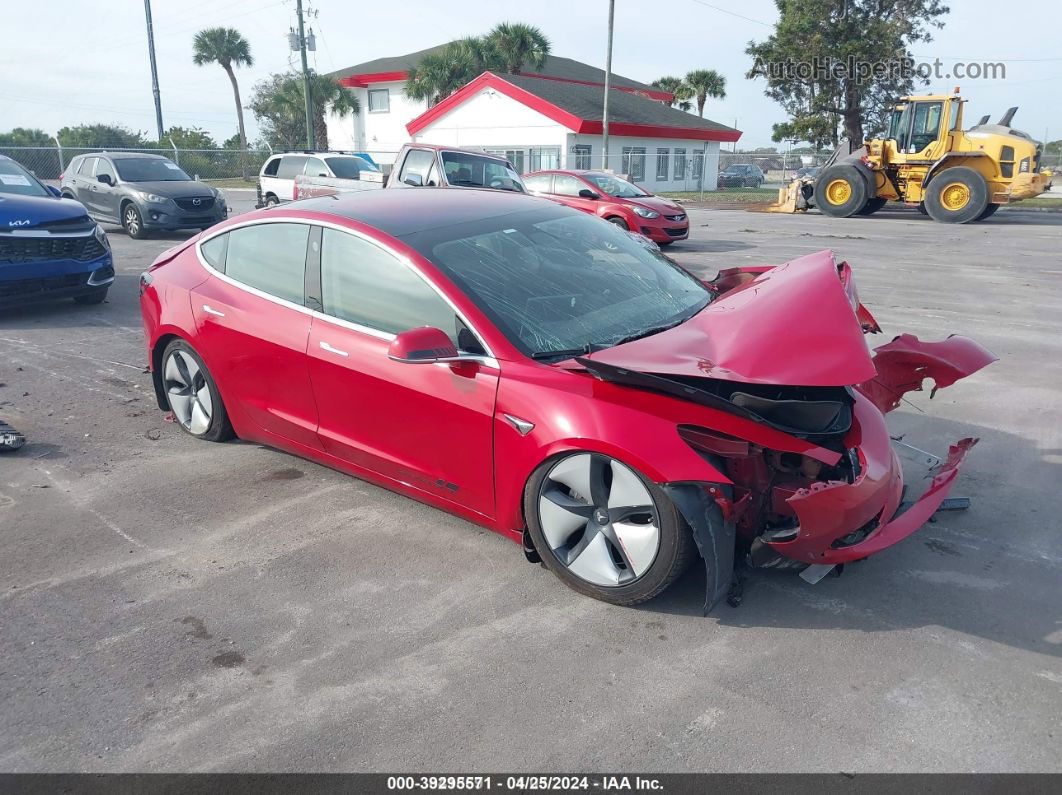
pixel 315 167
pixel 213 251
pixel 270 258
pixel 271 167
pixel 539 183
pixel 416 166
pixel 86 167
pixel 290 165
pixel 565 185
pixel 361 283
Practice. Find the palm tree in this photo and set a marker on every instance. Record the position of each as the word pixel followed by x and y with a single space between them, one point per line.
pixel 678 88
pixel 328 95
pixel 519 46
pixel 227 48
pixel 704 83
pixel 440 74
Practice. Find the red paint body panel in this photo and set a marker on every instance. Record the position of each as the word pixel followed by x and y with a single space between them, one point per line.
pixel 903 364
pixel 437 432
pixel 792 324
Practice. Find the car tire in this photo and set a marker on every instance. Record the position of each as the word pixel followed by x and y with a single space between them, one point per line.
pixel 192 394
pixel 654 545
pixel 841 191
pixel 271 200
pixel 133 222
pixel 90 299
pixel 873 205
pixel 957 196
pixel 615 219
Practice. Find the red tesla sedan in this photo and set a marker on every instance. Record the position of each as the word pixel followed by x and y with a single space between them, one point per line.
pixel 535 370
pixel 614 199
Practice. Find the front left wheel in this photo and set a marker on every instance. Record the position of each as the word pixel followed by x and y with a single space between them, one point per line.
pixel 133 222
pixel 192 394
pixel 604 529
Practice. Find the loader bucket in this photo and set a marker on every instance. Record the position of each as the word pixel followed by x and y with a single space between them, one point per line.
pixel 790 199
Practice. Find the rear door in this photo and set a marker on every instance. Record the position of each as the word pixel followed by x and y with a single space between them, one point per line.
pixel 107 197
pixel 253 325
pixel 284 184
pixel 428 425
pixel 84 180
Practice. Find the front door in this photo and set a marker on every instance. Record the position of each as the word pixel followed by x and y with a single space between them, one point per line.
pixel 568 186
pixel 427 425
pixel 253 327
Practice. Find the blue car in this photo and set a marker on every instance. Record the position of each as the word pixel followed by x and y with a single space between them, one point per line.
pixel 49 247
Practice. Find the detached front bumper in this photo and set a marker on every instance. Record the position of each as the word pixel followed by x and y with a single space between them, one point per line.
pixel 1024 186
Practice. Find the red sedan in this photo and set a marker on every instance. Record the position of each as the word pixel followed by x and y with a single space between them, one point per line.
pixel 614 199
pixel 537 371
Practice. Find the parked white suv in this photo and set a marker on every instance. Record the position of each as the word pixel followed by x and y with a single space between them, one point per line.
pixel 276 181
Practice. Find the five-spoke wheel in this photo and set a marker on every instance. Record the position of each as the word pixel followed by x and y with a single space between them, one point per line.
pixel 192 394
pixel 605 529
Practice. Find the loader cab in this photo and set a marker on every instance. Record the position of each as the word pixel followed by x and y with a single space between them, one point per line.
pixel 920 128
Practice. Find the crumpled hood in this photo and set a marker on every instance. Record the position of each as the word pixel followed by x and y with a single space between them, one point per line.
pixel 662 206
pixel 792 325
pixel 16 210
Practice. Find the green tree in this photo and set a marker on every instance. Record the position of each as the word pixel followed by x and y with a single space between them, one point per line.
pixel 509 47
pixel 99 136
pixel 278 105
pixel 188 138
pixel 676 86
pixel 22 136
pixel 840 62
pixel 228 49
pixel 704 83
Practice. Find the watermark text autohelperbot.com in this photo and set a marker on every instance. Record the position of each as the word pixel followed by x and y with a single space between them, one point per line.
pixel 822 68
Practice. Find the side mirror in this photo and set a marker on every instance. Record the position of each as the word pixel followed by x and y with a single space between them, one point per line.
pixel 415 180
pixel 54 191
pixel 586 193
pixel 422 346
pixel 105 179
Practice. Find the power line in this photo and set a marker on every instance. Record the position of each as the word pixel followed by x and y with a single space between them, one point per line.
pixel 733 14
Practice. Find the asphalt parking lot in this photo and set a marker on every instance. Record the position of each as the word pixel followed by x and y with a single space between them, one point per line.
pixel 167 604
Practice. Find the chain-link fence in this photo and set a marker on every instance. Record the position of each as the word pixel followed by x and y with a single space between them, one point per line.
pixel 48 162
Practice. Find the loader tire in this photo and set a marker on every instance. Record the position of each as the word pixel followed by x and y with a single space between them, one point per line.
pixel 922 208
pixel 872 206
pixel 957 196
pixel 989 212
pixel 841 191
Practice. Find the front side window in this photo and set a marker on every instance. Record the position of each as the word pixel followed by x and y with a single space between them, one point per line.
pixel 662 164
pixel 270 258
pixel 15 179
pixel 290 165
pixel 416 166
pixel 680 163
pixel 147 169
pixel 379 100
pixel 926 126
pixel 614 186
pixel 104 168
pixel 634 162
pixel 349 167
pixel 476 171
pixel 361 283
pixel 556 280
pixel 581 154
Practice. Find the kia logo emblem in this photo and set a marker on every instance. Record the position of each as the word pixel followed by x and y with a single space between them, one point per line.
pixel 197 202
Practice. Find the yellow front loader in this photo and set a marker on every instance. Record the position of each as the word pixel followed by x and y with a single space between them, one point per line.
pixel 928 161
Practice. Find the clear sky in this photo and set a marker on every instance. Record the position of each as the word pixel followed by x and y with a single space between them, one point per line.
pixel 67 62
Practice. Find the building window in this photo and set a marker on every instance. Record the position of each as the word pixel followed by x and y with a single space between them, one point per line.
pixel 581 156
pixel 545 157
pixel 634 162
pixel 680 163
pixel 698 164
pixel 379 100
pixel 662 165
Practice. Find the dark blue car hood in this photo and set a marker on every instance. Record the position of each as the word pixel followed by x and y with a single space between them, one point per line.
pixel 26 212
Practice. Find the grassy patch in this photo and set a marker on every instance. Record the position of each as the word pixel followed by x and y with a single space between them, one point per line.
pixel 726 196
pixel 1052 202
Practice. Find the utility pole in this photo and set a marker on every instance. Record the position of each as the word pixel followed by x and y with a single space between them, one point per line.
pixel 308 102
pixel 154 69
pixel 608 86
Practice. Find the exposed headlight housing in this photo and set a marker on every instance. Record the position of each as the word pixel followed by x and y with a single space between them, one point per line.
pixel 154 198
pixel 645 213
pixel 101 236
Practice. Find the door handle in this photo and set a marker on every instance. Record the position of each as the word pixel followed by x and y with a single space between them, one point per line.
pixel 211 311
pixel 326 347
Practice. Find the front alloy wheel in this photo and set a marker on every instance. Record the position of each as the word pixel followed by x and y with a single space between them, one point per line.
pixel 604 529
pixel 133 222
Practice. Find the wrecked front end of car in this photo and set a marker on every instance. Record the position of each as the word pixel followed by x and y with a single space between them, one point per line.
pixel 784 347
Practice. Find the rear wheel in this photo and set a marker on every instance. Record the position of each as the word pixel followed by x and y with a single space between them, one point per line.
pixel 873 205
pixel 990 210
pixel 604 529
pixel 271 200
pixel 922 208
pixel 841 191
pixel 192 394
pixel 957 196
pixel 618 222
